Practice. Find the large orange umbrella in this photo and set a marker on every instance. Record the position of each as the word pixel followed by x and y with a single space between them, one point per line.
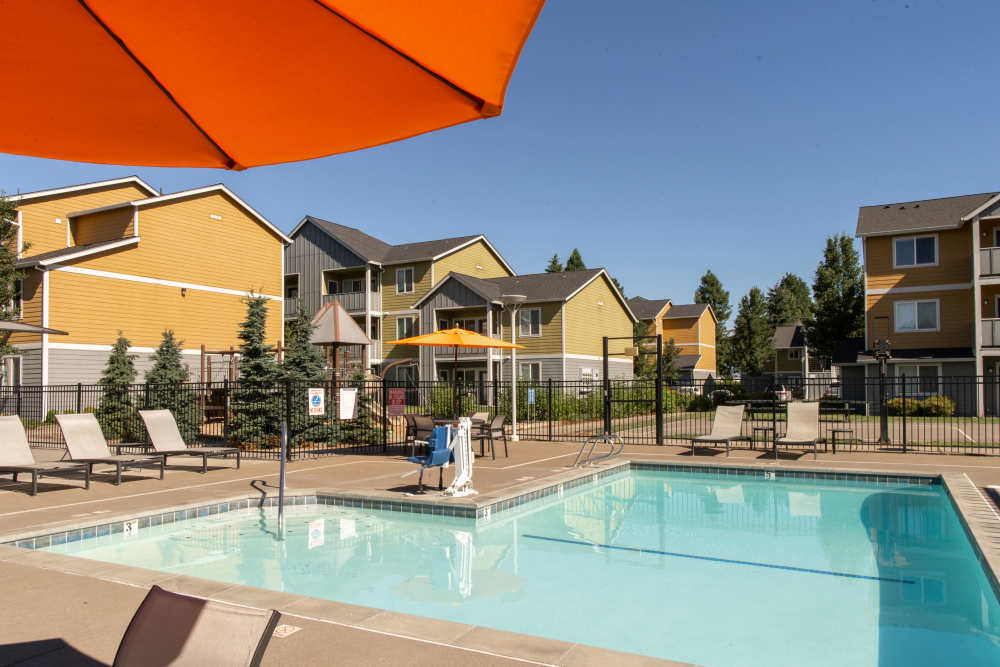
pixel 239 84
pixel 457 338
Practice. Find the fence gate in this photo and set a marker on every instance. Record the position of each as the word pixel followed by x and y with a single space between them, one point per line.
pixel 631 407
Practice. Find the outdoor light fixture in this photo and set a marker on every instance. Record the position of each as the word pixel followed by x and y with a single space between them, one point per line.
pixel 184 291
pixel 512 304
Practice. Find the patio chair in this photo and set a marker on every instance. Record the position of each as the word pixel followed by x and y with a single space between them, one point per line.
pixel 439 456
pixel 86 444
pixel 478 418
pixel 803 427
pixel 492 432
pixel 181 630
pixel 411 429
pixel 727 427
pixel 167 440
pixel 16 456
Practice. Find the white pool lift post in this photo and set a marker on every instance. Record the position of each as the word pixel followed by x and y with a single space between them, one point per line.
pixel 281 480
pixel 460 442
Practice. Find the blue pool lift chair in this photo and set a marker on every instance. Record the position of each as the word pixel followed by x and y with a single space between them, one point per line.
pixel 440 455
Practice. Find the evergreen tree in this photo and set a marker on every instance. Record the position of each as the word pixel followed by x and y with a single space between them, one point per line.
pixel 258 401
pixel 839 292
pixel 789 302
pixel 753 346
pixel 645 362
pixel 710 291
pixel 668 361
pixel 166 391
pixel 555 266
pixel 575 262
pixel 365 428
pixel 116 412
pixel 9 276
pixel 302 367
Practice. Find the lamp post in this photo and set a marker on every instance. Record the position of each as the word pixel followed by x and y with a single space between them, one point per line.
pixel 512 304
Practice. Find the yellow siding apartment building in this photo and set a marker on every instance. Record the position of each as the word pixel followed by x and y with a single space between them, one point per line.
pixel 690 325
pixel 932 287
pixel 116 255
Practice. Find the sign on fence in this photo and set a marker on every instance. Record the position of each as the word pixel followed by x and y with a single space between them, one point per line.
pixel 316 402
pixel 531 395
pixel 397 402
pixel 348 403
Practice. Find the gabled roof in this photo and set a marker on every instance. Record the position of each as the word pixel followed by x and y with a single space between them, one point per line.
pixel 83 187
pixel 786 337
pixel 218 187
pixel 537 287
pixel 646 309
pixel 371 249
pixel 687 310
pixel 73 252
pixel 920 216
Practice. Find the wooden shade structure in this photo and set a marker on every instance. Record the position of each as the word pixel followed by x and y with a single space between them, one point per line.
pixel 334 328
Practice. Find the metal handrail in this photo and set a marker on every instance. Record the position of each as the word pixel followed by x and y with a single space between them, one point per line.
pixel 613 440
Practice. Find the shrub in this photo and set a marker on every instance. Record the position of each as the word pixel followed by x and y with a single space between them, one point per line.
pixel 937 406
pixel 701 404
pixel 674 401
pixel 895 406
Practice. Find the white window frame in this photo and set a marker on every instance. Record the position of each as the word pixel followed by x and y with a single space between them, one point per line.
pixel 520 329
pixel 360 282
pixel 916 302
pixel 996 237
pixel 442 323
pixel 530 366
pixel 326 286
pixel 996 307
pixel 413 326
pixel 8 363
pixel 937 372
pixel 375 332
pixel 412 280
pixel 794 354
pixel 896 239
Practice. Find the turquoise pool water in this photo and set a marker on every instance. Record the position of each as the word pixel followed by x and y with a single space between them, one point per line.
pixel 721 572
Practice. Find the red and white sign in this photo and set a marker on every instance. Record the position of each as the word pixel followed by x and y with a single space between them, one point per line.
pixel 316 403
pixel 397 402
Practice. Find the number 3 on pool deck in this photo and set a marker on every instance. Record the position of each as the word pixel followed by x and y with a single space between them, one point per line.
pixel 768 474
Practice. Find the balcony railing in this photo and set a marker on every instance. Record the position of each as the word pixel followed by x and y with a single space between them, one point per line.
pixel 354 302
pixel 990 332
pixel 449 352
pixel 989 261
pixel 291 307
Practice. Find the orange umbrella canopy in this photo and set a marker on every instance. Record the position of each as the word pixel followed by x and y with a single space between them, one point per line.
pixel 239 84
pixel 457 338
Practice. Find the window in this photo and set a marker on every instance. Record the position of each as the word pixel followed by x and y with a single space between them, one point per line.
pixel 373 332
pixel 917 315
pixel 16 302
pixel 529 322
pixel 374 282
pixel 353 285
pixel 497 328
pixel 478 326
pixel 531 371
pixel 914 251
pixel 11 372
pixel 332 287
pixel 404 280
pixel 404 326
pixel 794 355
pixel 919 379
pixel 443 374
pixel 442 325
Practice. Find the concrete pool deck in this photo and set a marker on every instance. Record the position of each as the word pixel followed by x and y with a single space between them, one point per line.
pixel 72 610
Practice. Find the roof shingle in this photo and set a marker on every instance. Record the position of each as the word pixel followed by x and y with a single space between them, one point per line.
pixel 915 216
pixel 375 250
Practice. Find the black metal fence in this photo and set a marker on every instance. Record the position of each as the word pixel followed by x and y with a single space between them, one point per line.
pixel 923 414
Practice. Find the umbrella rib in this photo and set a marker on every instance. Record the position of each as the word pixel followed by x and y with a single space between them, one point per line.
pixel 230 162
pixel 475 98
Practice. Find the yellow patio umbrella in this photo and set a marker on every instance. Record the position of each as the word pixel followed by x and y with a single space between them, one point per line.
pixel 457 338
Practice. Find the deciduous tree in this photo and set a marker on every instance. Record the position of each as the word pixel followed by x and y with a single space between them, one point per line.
pixel 789 301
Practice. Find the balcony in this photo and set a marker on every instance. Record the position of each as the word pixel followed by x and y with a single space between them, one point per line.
pixel 449 352
pixel 291 307
pixel 989 261
pixel 990 332
pixel 354 302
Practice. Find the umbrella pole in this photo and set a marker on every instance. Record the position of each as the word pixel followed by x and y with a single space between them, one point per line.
pixel 454 386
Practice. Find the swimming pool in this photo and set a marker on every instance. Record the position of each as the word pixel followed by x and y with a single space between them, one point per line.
pixel 719 570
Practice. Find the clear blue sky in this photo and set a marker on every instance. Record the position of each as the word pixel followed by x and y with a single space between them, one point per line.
pixel 664 138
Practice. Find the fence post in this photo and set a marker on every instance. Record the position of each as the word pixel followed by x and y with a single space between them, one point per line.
pixel 385 416
pixel 225 409
pixel 659 389
pixel 607 390
pixel 79 397
pixel 549 399
pixel 18 394
pixel 902 393
pixel 288 412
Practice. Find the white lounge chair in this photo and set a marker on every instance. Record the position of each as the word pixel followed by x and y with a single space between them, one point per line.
pixel 16 456
pixel 86 444
pixel 182 630
pixel 167 440
pixel 803 426
pixel 727 427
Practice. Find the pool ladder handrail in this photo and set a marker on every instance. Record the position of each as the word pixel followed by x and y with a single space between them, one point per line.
pixel 613 440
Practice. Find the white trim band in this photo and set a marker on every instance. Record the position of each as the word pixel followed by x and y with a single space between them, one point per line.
pixel 921 288
pixel 156 281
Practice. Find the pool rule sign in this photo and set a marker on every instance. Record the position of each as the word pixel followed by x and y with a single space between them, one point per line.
pixel 317 402
pixel 397 402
